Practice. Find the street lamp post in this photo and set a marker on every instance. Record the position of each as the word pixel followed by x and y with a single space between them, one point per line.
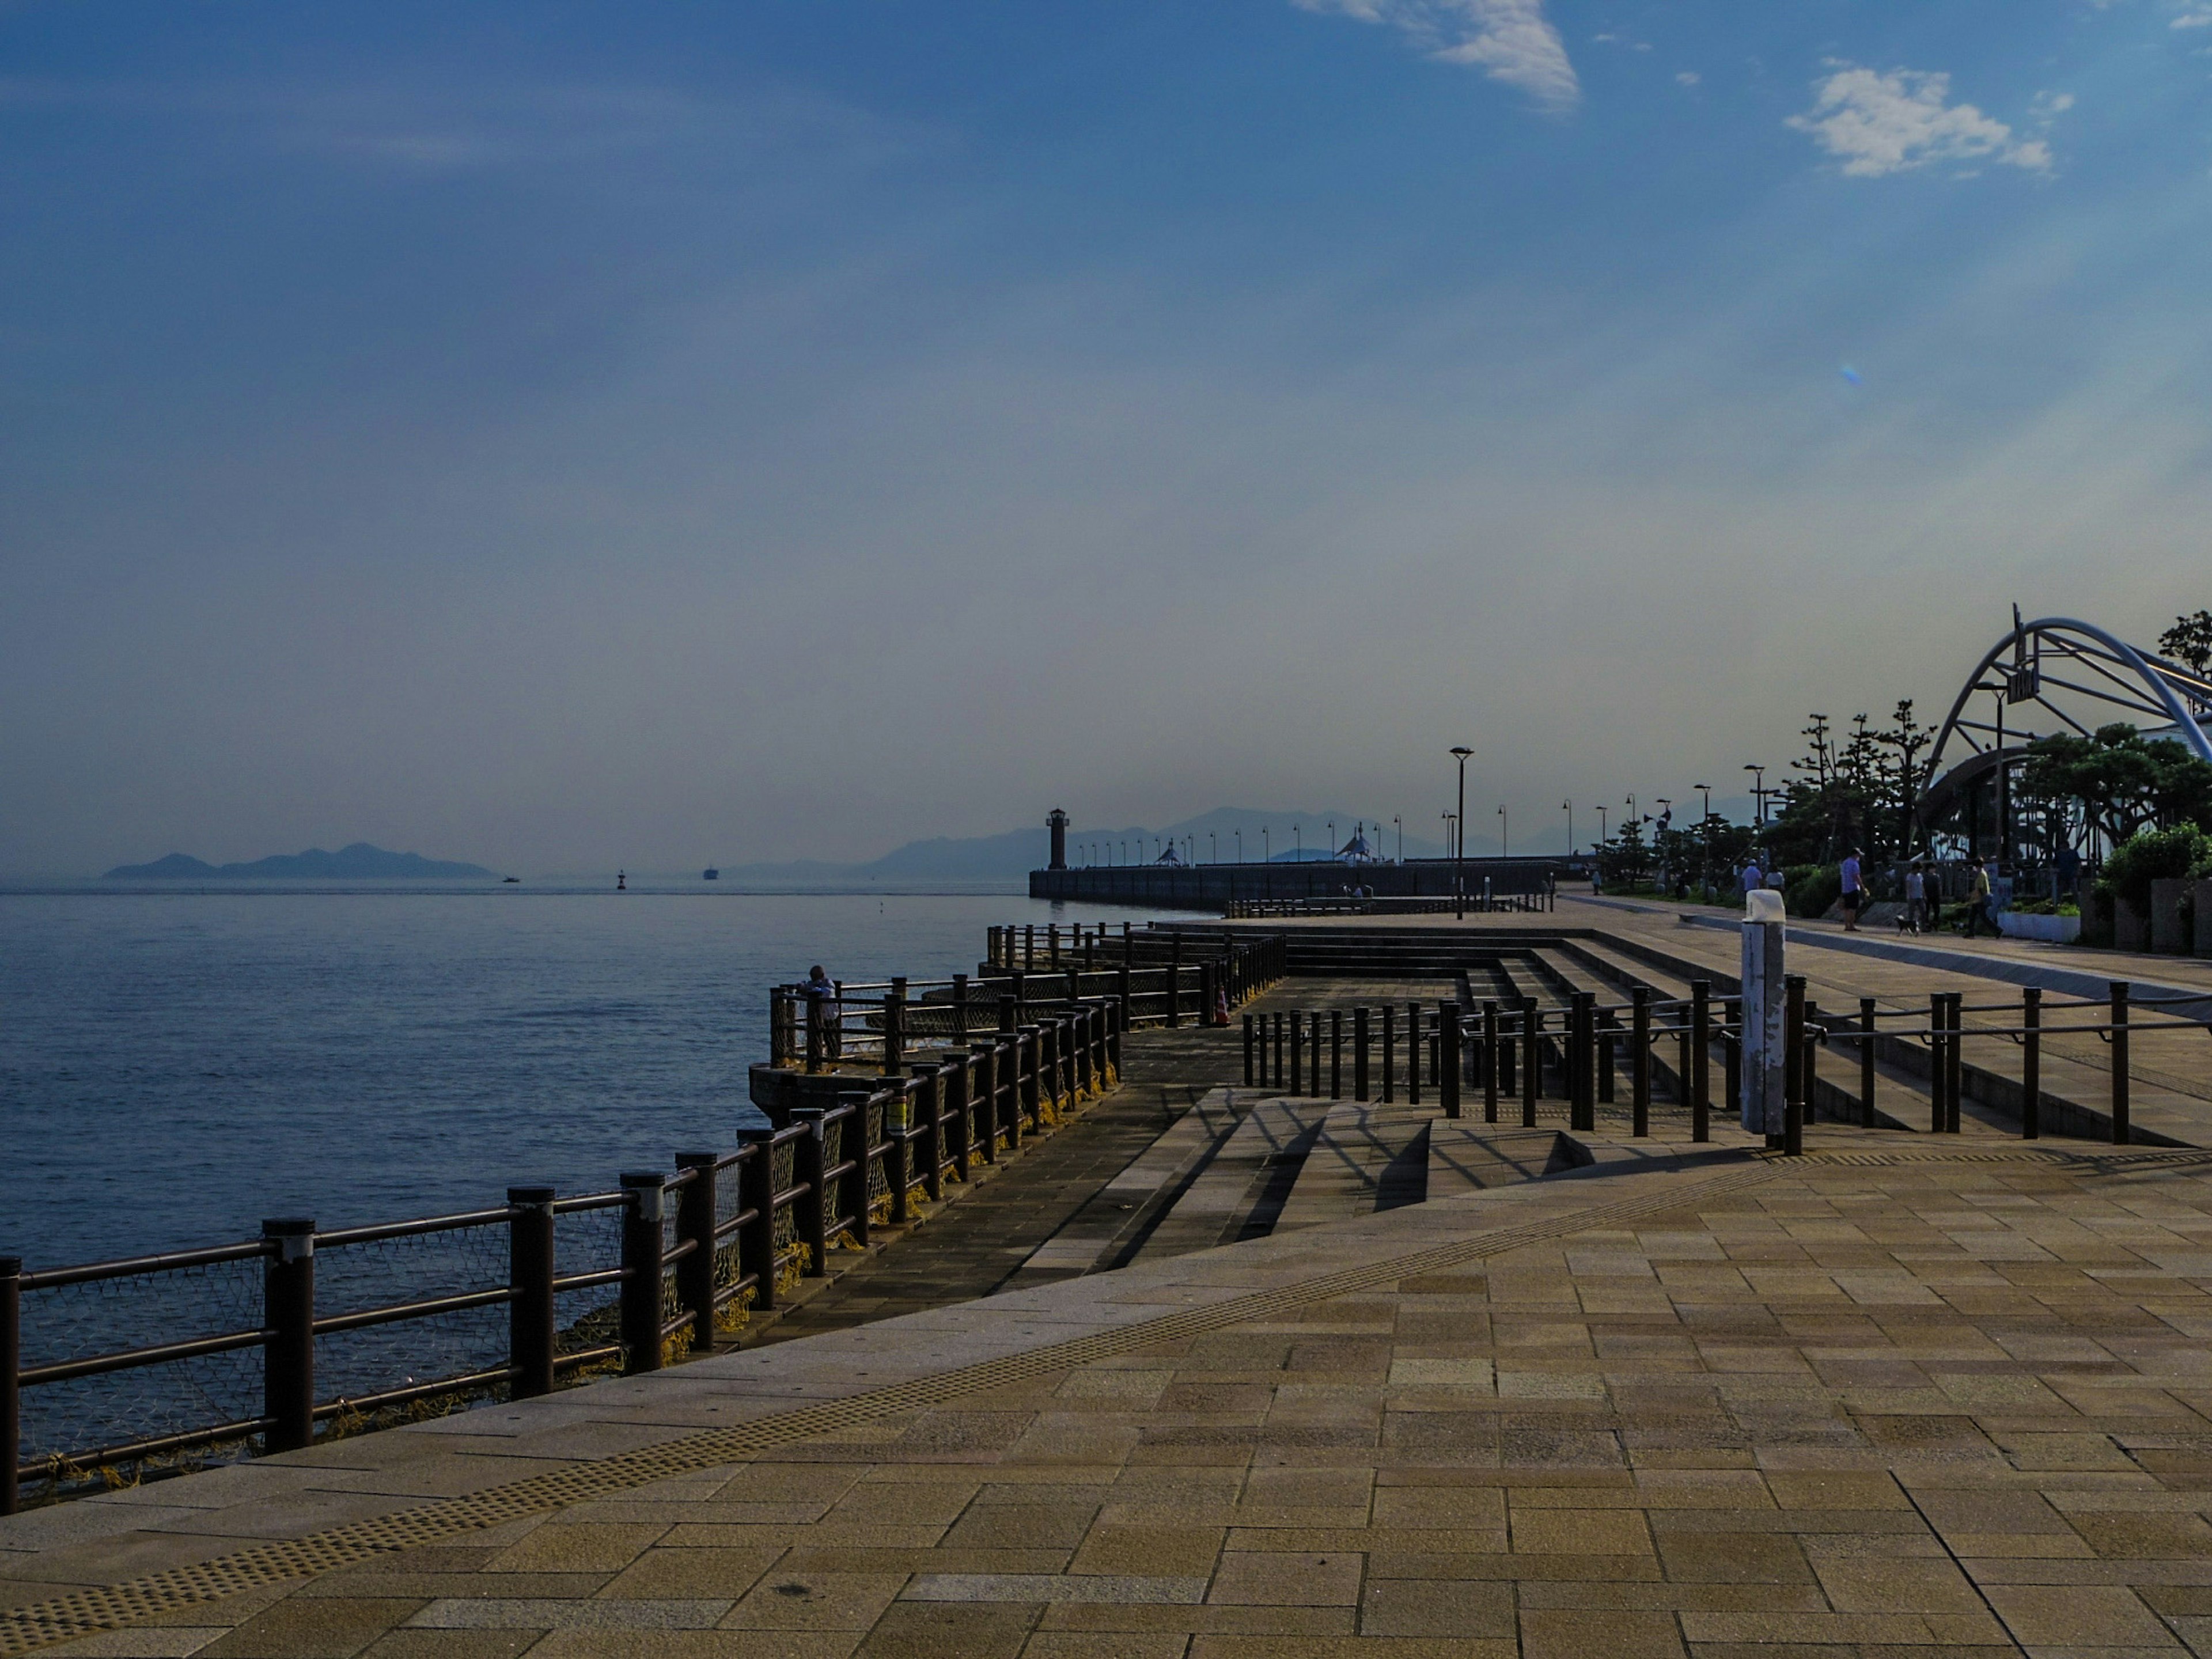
pixel 1299 846
pixel 1459 857
pixel 1568 807
pixel 1399 822
pixel 1213 848
pixel 1705 830
pixel 1759 792
pixel 1502 823
pixel 1266 857
pixel 1601 826
pixel 1240 845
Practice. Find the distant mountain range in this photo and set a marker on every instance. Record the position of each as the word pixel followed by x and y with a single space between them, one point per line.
pixel 359 862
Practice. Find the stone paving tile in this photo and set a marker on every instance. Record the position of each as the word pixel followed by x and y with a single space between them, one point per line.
pixel 1848 1413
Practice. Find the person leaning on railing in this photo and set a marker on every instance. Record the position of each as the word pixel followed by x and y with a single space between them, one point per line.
pixel 825 1012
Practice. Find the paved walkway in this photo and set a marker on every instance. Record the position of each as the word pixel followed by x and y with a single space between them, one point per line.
pixel 1897 1395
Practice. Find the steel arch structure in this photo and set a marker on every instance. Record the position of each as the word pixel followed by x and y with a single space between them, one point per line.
pixel 2083 664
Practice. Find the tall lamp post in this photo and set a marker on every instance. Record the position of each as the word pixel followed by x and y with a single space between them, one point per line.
pixel 1213 847
pixel 1601 826
pixel 1705 829
pixel 1502 822
pixel 1759 792
pixel 1400 825
pixel 1459 858
pixel 1568 807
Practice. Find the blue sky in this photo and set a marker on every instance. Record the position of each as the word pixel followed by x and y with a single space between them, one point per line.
pixel 576 435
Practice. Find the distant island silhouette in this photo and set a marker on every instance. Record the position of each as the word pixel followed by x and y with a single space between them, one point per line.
pixel 359 862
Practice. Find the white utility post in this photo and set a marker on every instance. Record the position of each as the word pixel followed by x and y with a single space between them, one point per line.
pixel 1765 1041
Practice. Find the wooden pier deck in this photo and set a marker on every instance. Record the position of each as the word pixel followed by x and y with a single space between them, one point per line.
pixel 1582 1394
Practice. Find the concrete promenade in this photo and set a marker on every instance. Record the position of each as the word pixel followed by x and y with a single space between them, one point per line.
pixel 1906 1392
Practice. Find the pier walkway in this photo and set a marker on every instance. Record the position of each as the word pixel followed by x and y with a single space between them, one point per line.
pixel 1474 1390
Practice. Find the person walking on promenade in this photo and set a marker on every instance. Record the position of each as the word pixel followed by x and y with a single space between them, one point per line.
pixel 1977 902
pixel 1750 877
pixel 1854 891
pixel 1916 898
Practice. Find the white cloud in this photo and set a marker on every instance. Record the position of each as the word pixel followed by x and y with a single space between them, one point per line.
pixel 2192 20
pixel 1510 40
pixel 1688 78
pixel 1878 123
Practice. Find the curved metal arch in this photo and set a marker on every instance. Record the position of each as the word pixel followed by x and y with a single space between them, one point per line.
pixel 2159 687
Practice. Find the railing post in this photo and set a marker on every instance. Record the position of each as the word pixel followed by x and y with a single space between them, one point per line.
pixel 1608 1039
pixel 288 1376
pixel 1937 1071
pixel 1793 1080
pixel 1247 1051
pixel 1586 1061
pixel 697 1209
pixel 1121 992
pixel 1866 1062
pixel 1685 1064
pixel 1954 1063
pixel 1490 1060
pixel 929 1101
pixel 1297 1054
pixel 898 1146
pixel 953 1079
pixel 1390 1053
pixel 1639 1060
pixel 1174 981
pixel 2119 1038
pixel 1701 1059
pixel 812 1205
pixel 1412 1053
pixel 530 1325
pixel 756 1192
pixel 11 1371
pixel 959 1010
pixel 1532 1060
pixel 643 1268
pixel 1335 1055
pixel 2031 1063
pixel 1361 1037
pixel 983 1099
pixel 895 1028
pixel 1448 1057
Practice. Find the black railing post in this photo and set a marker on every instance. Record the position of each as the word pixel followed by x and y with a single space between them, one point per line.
pixel 11 1389
pixel 1814 1027
pixel 1335 1055
pixel 960 1009
pixel 2119 1037
pixel 817 1044
pixel 2031 1063
pixel 1247 1051
pixel 983 1101
pixel 1532 1060
pixel 1414 1053
pixel 756 1192
pixel 1639 1060
pixel 894 1028
pixel 529 1323
pixel 810 1207
pixel 954 1079
pixel 287 1375
pixel 1174 981
pixel 898 1145
pixel 929 1100
pixel 1490 1060
pixel 1297 1053
pixel 1954 1062
pixel 1608 1039
pixel 1448 1058
pixel 1701 1059
pixel 697 1208
pixel 1937 1071
pixel 1866 1062
pixel 643 1268
pixel 1361 1036
pixel 1390 1053
pixel 1586 1061
pixel 1794 1078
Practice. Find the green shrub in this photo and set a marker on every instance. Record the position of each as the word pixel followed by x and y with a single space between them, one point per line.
pixel 1808 889
pixel 2152 856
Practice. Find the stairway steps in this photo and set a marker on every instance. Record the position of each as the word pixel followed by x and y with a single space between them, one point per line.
pixel 1242 1181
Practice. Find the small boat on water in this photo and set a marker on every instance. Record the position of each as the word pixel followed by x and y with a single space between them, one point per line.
pixel 510 881
pixel 710 873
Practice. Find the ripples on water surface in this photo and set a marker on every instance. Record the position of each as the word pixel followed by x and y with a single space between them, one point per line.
pixel 175 1066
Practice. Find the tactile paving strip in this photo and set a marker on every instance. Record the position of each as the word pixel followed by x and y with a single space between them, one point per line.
pixel 111 1605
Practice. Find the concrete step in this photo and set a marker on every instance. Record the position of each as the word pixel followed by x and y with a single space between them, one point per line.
pixel 1240 1189
pixel 1466 1156
pixel 1366 1156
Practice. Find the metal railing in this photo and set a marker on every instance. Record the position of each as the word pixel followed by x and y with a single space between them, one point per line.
pixel 1512 1047
pixel 116 1366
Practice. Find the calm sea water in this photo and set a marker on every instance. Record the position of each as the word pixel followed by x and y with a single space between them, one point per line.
pixel 176 1066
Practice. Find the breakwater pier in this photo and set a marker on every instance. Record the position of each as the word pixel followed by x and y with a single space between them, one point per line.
pixel 1436 1300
